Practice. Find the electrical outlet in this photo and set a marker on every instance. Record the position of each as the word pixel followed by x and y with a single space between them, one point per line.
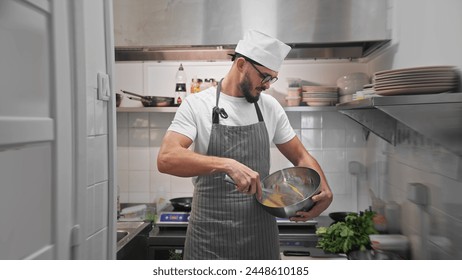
pixel 417 193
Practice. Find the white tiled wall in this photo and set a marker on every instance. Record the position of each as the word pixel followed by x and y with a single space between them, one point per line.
pixel 139 136
pixel 435 230
pixel 327 135
pixel 334 140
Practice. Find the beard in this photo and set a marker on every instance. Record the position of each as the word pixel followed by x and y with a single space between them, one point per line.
pixel 246 89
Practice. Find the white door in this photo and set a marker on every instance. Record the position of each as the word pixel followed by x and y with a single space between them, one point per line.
pixel 51 205
pixel 35 131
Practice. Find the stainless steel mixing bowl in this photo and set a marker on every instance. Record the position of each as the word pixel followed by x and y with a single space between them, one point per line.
pixel 293 188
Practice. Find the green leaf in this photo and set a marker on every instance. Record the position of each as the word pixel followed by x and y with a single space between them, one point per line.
pixel 342 237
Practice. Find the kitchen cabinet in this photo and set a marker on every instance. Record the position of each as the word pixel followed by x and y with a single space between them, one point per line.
pixel 133 244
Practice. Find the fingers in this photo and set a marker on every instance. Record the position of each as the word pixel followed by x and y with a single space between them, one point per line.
pixel 305 216
pixel 245 179
pixel 259 191
pixel 244 186
pixel 322 201
pixel 251 188
pixel 245 189
pixel 318 197
pixel 301 217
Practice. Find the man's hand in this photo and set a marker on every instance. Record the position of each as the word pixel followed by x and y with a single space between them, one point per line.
pixel 321 200
pixel 245 179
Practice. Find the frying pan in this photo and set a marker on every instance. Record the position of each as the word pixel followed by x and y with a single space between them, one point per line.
pixel 119 98
pixel 339 216
pixel 151 101
pixel 181 203
pixel 287 191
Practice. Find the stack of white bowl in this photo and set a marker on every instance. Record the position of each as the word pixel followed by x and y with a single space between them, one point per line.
pixel 349 84
pixel 293 97
pixel 320 95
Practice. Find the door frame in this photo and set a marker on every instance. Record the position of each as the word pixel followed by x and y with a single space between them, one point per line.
pixel 80 130
pixel 112 131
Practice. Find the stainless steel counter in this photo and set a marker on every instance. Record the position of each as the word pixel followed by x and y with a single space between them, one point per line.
pixel 132 240
pixel 131 229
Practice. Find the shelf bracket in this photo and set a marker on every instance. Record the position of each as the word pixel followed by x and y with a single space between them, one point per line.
pixel 376 121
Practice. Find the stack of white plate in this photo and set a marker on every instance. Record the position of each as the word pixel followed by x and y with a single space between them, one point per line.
pixel 320 95
pixel 417 80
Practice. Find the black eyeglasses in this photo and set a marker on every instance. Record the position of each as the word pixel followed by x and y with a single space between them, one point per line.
pixel 265 77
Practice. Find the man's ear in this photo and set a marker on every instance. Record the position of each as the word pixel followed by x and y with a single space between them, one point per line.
pixel 240 62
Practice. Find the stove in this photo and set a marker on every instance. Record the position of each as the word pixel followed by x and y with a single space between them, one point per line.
pixel 167 238
pixel 173 219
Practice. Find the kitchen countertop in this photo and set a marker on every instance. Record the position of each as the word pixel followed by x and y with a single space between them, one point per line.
pixel 132 228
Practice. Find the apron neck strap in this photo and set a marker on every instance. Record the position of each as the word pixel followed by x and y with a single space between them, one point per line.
pixel 217 111
pixel 257 108
pixel 220 112
pixel 218 92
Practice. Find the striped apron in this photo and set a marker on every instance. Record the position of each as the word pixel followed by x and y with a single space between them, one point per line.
pixel 225 223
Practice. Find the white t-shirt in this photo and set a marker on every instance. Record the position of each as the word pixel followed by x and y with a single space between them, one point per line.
pixel 194 117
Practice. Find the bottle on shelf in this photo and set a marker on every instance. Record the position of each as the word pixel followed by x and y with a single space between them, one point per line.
pixel 195 86
pixel 213 82
pixel 199 84
pixel 180 86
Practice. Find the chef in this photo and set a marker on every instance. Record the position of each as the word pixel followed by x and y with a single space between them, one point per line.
pixel 232 127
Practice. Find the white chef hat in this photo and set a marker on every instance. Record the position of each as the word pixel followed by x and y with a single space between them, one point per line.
pixel 266 50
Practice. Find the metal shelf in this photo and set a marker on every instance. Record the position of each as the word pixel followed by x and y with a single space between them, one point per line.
pixel 146 109
pixel 173 109
pixel 436 116
pixel 310 109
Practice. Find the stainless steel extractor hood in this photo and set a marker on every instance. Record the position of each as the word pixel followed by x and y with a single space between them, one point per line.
pixel 210 29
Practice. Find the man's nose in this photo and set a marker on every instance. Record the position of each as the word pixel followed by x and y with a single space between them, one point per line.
pixel 266 85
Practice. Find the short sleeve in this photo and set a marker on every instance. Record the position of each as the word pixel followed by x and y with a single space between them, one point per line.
pixel 283 131
pixel 184 121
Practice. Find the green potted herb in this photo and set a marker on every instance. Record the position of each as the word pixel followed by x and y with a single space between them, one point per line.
pixel 347 236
